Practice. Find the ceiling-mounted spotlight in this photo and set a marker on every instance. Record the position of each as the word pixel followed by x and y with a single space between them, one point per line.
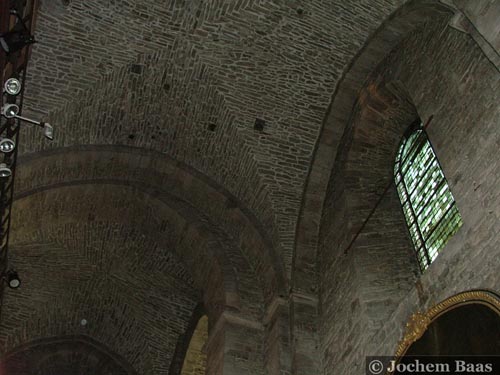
pixel 12 86
pixel 12 278
pixel 12 110
pixel 7 145
pixel 4 171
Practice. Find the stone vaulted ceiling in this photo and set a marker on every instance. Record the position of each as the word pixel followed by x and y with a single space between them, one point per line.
pixel 157 192
pixel 156 74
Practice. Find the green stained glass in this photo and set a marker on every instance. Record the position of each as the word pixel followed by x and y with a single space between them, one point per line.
pixel 428 205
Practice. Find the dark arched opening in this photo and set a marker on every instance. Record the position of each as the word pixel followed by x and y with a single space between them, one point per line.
pixel 466 330
pixel 73 354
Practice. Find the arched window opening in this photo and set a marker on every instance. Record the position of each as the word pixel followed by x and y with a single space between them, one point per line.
pixel 195 362
pixel 428 205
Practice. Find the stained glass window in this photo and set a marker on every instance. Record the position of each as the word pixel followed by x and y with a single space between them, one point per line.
pixel 428 205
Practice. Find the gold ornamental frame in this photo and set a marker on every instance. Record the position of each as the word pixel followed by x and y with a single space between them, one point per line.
pixel 419 322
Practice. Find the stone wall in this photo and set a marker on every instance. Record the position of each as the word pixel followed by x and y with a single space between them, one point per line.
pixel 235 346
pixel 159 89
pixel 195 361
pixel 368 294
pixel 64 354
pixel 78 261
pixel 461 91
pixel 483 14
pixel 163 72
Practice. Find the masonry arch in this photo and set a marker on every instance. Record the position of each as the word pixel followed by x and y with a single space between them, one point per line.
pixel 159 173
pixel 408 18
pixel 57 218
pixel 64 354
pixel 305 279
pixel 467 323
pixel 366 267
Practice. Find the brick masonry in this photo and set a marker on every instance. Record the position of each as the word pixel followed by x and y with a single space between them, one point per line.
pixel 156 154
pixel 371 291
pixel 199 245
pixel 222 62
pixel 157 176
pixel 65 354
pixel 118 277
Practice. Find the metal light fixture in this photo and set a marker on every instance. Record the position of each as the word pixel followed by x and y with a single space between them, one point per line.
pixel 15 40
pixel 12 110
pixel 4 171
pixel 13 280
pixel 7 145
pixel 12 86
pixel 48 130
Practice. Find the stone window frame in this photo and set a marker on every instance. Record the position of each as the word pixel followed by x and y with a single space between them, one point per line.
pixel 428 205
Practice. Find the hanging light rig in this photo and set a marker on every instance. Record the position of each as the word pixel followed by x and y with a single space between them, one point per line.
pixel 16 36
pixel 10 111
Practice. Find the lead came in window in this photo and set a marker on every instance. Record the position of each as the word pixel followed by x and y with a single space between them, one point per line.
pixel 428 205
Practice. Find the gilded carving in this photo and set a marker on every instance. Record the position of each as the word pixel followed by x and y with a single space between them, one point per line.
pixel 415 328
pixel 419 321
